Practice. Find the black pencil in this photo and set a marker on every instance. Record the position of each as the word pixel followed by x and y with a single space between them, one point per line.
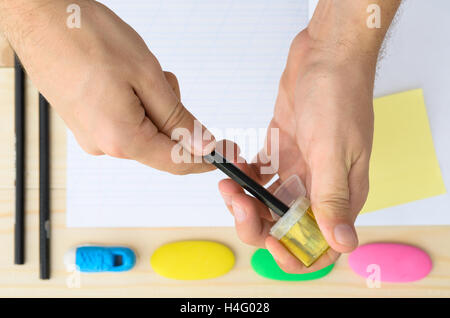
pixel 19 227
pixel 44 189
pixel 257 190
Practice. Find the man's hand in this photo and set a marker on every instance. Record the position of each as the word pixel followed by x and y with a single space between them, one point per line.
pixel 325 119
pixel 103 81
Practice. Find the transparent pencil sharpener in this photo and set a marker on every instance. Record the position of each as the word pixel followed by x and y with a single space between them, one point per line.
pixel 297 229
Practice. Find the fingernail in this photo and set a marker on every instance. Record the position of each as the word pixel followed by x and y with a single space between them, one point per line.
pixel 239 213
pixel 344 235
pixel 203 147
pixel 226 198
pixel 202 143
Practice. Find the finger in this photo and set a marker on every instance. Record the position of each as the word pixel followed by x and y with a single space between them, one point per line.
pixel 228 188
pixel 131 134
pixel 330 198
pixel 164 108
pixel 250 227
pixel 285 260
pixel 155 149
pixel 252 170
pixel 256 225
pixel 253 231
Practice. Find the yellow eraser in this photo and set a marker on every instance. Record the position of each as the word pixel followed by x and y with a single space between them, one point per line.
pixel 192 260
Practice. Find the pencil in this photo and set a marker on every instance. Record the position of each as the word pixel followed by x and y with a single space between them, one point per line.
pixel 257 190
pixel 19 226
pixel 44 189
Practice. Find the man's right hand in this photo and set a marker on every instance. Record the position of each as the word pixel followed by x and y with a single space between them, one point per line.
pixel 103 81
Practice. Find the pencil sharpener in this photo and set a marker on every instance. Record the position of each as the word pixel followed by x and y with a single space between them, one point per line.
pixel 94 259
pixel 297 229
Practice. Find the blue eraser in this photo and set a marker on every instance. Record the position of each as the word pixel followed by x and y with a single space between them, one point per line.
pixel 94 259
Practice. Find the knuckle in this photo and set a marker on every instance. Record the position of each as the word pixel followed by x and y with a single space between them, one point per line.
pixel 177 116
pixel 336 204
pixel 92 151
pixel 172 80
pixel 113 149
pixel 171 77
pixel 114 145
pixel 337 208
pixel 86 146
pixel 298 40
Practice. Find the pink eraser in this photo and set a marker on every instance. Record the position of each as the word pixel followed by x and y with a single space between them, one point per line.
pixel 390 262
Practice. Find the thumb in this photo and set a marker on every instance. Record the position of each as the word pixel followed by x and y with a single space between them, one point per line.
pixel 330 199
pixel 160 97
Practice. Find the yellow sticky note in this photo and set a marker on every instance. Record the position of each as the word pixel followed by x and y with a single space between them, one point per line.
pixel 403 166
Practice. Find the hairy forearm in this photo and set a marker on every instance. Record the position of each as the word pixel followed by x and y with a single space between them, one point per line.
pixel 37 31
pixel 342 28
pixel 25 22
pixel 19 17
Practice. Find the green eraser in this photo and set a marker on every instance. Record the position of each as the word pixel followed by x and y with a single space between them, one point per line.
pixel 264 265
